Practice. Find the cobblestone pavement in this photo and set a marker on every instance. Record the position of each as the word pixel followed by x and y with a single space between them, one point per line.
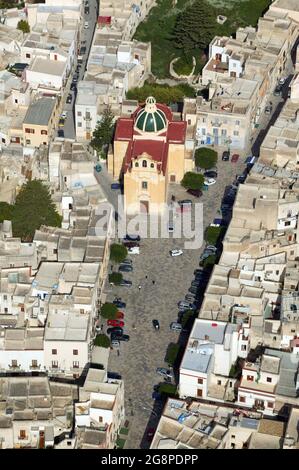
pixel 138 359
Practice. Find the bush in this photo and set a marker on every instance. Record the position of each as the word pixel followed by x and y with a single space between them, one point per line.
pixel 186 317
pixel 109 311
pixel 168 389
pixel 210 261
pixel 183 66
pixel 115 278
pixel 102 340
pixel 205 158
pixel 192 180
pixel 163 93
pixel 23 25
pixel 118 253
pixel 213 234
pixel 172 353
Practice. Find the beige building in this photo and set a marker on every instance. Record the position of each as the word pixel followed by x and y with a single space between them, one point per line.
pixel 148 153
pixel 39 122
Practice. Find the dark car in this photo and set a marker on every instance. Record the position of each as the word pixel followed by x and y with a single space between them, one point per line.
pixel 210 174
pixel 82 50
pixel 60 133
pixel 156 324
pixel 127 262
pixel 69 98
pixel 119 337
pixel 73 86
pixel 225 156
pixel 193 290
pixel 119 303
pixel 113 375
pixel 115 186
pixel 125 268
pixel 278 90
pixel 125 283
pixel 115 330
pixel 132 238
pixel 195 192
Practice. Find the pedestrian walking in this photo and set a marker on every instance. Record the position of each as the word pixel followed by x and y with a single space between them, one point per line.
pixel 139 287
pixel 154 282
pixel 145 277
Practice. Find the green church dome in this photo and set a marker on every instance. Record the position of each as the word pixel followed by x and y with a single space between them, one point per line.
pixel 150 118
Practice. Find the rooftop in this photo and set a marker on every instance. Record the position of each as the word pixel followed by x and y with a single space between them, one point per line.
pixel 40 112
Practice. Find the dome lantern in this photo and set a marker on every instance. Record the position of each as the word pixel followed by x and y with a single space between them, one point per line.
pixel 150 118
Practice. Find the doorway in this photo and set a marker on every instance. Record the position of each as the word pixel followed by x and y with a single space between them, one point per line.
pixel 172 178
pixel 144 206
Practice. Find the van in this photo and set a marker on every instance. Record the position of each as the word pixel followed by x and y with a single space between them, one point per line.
pixel 174 326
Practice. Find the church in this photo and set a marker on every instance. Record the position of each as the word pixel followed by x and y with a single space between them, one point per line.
pixel 149 153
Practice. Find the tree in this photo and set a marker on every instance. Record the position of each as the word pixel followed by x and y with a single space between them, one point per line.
pixel 172 353
pixel 6 211
pixel 205 158
pixel 115 278
pixel 102 340
pixel 192 180
pixel 23 25
pixel 163 93
pixel 109 311
pixel 33 208
pixel 186 317
pixel 195 26
pixel 103 133
pixel 118 253
pixel 212 234
pixel 208 262
pixel 168 389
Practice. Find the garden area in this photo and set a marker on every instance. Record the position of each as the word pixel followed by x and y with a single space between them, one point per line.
pixel 185 30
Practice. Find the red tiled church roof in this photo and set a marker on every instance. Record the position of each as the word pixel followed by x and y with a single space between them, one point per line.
pixel 156 149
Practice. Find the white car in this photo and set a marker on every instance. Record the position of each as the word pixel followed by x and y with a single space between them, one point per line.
pixel 282 80
pixel 176 252
pixel 86 25
pixel 209 181
pixel 135 250
pixel 64 115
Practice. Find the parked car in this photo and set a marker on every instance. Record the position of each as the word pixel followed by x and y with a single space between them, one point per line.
pixel 63 115
pixel 120 315
pixel 184 304
pixel 170 227
pixel 209 181
pixel 241 178
pixel 115 330
pixel 278 90
pixel 193 290
pixel 235 158
pixel 60 133
pixel 127 261
pixel 125 283
pixel 115 323
pixel 61 122
pixel 199 271
pixel 120 337
pixel 196 282
pixel 135 250
pixel 210 174
pixel 155 396
pixel 195 192
pixel 175 326
pixel 206 254
pixel 86 25
pixel 113 375
pixel 282 80
pixel 132 238
pixel 190 297
pixel 211 248
pixel 119 303
pixel 73 86
pixel 125 268
pixel 115 343
pixel 268 109
pixel 176 252
pixel 156 324
pixel 69 98
pixel 225 156
pixel 115 186
pixel 164 372
pixel 185 202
